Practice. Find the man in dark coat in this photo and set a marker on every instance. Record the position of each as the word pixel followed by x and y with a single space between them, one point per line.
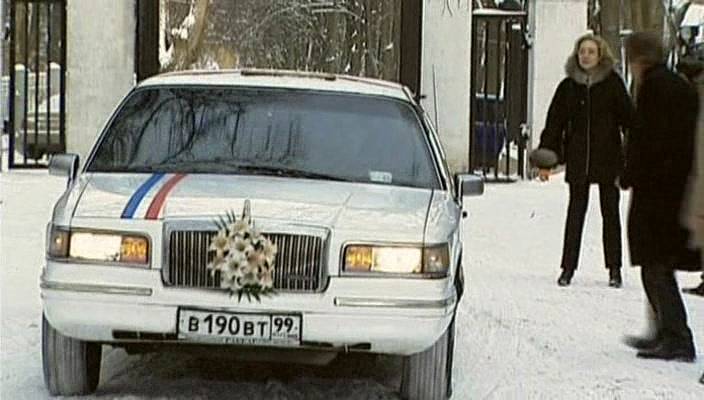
pixel 658 164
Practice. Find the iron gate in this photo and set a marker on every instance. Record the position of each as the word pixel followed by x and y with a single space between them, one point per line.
pixel 499 88
pixel 37 83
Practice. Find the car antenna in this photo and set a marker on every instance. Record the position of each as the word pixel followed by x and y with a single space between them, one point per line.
pixel 435 101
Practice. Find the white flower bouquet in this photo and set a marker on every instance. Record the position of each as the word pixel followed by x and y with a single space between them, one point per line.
pixel 243 256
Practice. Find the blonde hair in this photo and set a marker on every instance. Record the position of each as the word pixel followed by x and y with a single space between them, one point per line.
pixel 606 56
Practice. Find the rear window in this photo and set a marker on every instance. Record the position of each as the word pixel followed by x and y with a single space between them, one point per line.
pixel 268 131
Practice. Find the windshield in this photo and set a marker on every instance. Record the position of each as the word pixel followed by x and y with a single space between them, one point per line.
pixel 298 133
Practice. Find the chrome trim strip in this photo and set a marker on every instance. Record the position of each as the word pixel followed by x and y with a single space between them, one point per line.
pixel 89 288
pixel 398 303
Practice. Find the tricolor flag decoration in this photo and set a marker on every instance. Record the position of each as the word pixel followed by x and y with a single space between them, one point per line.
pixel 154 192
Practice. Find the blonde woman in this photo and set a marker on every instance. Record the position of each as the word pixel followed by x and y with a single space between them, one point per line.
pixel 588 113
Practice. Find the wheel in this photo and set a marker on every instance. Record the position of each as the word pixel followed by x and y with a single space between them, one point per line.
pixel 428 375
pixel 71 366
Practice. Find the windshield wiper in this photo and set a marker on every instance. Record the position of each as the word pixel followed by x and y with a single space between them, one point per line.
pixel 289 172
pixel 189 166
pixel 228 166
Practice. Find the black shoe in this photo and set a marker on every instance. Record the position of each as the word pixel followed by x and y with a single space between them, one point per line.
pixel 697 291
pixel 641 343
pixel 615 280
pixel 701 380
pixel 565 277
pixel 662 352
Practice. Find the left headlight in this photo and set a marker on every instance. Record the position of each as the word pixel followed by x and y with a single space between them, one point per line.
pixel 101 246
pixel 413 261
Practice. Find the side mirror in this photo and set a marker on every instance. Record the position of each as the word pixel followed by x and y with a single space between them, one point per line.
pixel 64 165
pixel 469 185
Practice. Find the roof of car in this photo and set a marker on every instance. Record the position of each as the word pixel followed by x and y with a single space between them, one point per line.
pixel 282 79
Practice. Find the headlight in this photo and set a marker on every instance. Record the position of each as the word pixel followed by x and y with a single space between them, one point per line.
pixel 57 242
pixel 430 261
pixel 86 245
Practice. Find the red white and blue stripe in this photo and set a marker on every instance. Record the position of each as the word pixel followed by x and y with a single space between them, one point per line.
pixel 154 192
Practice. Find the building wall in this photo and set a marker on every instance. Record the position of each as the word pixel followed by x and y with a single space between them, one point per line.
pixel 3 99
pixel 556 26
pixel 100 66
pixel 445 75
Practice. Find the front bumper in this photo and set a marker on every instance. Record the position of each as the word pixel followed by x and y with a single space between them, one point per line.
pixel 389 315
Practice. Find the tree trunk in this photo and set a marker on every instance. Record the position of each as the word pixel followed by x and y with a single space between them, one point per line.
pixel 354 43
pixel 334 29
pixel 647 15
pixel 370 39
pixel 186 51
pixel 611 24
pixel 20 32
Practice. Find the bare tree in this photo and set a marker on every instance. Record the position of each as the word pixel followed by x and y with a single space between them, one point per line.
pixel 610 17
pixel 187 38
pixel 358 37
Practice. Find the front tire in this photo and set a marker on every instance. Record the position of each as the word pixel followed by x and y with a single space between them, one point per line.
pixel 428 375
pixel 71 366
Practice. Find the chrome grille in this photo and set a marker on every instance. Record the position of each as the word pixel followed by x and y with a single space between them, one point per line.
pixel 298 266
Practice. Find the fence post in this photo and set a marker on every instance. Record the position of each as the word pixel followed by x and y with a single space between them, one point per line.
pixel 54 78
pixel 20 95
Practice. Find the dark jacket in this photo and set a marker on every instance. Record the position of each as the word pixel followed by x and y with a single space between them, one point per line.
pixel 585 123
pixel 660 158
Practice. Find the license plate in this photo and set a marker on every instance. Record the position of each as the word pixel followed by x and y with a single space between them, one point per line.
pixel 239 328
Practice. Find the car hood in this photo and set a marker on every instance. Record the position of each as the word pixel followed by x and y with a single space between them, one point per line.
pixel 334 205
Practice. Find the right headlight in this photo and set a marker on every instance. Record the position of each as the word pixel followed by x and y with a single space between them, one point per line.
pixel 410 261
pixel 96 245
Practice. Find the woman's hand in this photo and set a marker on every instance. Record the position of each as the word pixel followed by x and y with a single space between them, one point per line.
pixel 544 174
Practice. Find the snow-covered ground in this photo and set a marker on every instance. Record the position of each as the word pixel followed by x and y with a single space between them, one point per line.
pixel 520 336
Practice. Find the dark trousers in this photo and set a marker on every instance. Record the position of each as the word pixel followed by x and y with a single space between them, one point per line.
pixel 663 293
pixel 609 197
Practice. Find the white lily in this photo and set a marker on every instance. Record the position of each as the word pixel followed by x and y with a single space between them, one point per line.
pixel 238 229
pixel 256 259
pixel 240 245
pixel 219 244
pixel 266 279
pixel 228 279
pixel 217 264
pixel 270 250
pixel 247 275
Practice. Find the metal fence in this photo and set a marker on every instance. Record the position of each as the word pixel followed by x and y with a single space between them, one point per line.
pixel 36 86
pixel 500 95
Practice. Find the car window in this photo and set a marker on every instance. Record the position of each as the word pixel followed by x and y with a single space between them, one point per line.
pixel 268 131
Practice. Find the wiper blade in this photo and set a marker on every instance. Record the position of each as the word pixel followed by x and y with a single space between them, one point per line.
pixel 227 166
pixel 191 166
pixel 288 172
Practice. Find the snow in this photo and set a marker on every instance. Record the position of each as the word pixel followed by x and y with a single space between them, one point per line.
pixel 166 55
pixel 694 17
pixel 491 12
pixel 183 31
pixel 519 335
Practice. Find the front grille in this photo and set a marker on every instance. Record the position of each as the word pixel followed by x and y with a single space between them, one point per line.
pixel 298 266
